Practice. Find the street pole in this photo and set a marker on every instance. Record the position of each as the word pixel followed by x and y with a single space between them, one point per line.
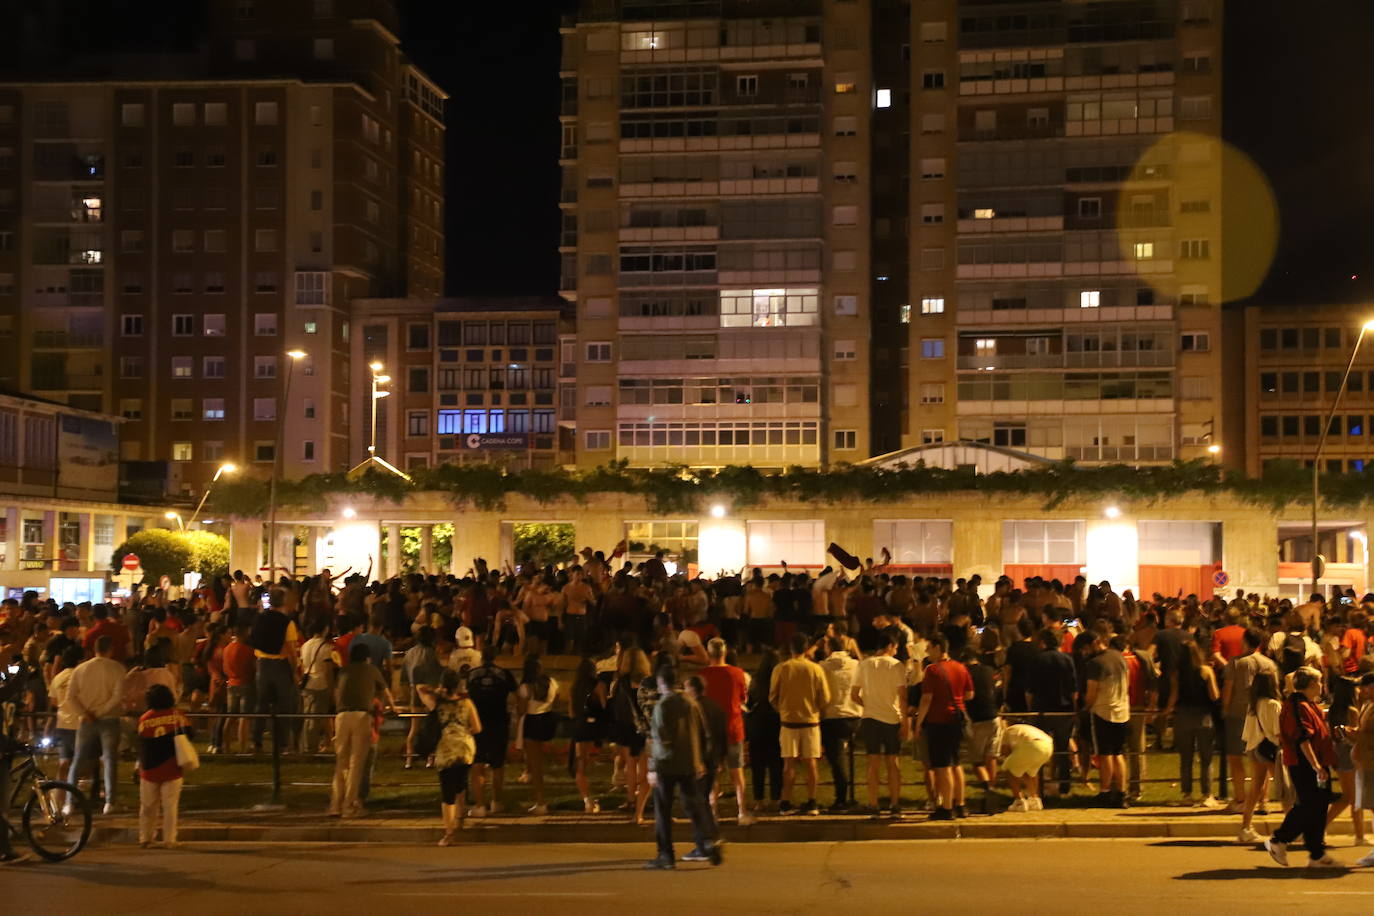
pixel 1317 563
pixel 226 468
pixel 292 356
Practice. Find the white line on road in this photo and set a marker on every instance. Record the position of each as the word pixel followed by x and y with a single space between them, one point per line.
pixel 467 893
pixel 1338 893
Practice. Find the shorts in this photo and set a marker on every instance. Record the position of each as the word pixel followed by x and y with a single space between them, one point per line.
pixel 984 741
pixel 942 743
pixel 1109 738
pixel 537 629
pixel 734 755
pixel 453 781
pixel 540 727
pixel 65 739
pixel 803 742
pixel 1234 731
pixel 491 747
pixel 1028 757
pixel 880 737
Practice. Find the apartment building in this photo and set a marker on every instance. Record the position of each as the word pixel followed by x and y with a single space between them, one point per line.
pixel 1065 254
pixel 871 224
pixel 173 224
pixel 467 381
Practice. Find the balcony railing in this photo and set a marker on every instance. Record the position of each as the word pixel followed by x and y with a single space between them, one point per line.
pixel 47 340
pixel 1095 359
pixel 67 382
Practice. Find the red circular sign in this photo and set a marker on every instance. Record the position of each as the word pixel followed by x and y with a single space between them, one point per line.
pixel 1220 578
pixel 131 561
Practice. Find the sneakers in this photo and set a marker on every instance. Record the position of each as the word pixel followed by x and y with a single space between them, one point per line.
pixel 960 811
pixel 1210 803
pixel 715 854
pixel 1324 862
pixel 1248 835
pixel 1235 806
pixel 1365 861
pixel 785 808
pixel 477 811
pixel 1035 803
pixel 539 810
pixel 697 855
pixel 1277 851
pixel 1119 800
pixel 109 808
pixel 1018 805
pixel 811 808
pixel 942 814
pixel 661 863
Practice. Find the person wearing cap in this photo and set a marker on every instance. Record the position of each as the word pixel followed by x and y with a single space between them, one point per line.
pixel 464 654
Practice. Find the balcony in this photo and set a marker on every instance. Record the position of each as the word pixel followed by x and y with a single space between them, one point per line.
pixel 67 340
pixel 1094 359
pixel 1119 452
pixel 66 381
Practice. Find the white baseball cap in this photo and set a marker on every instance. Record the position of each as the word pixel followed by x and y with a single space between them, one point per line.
pixel 464 638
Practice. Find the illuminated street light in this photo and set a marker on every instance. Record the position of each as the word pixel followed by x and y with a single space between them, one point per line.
pixel 296 356
pixel 1112 512
pixel 717 511
pixel 1318 561
pixel 227 467
pixel 1214 449
pixel 350 512
pixel 378 379
pixel 170 516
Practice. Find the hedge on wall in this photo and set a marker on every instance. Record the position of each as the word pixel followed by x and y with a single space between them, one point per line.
pixel 680 490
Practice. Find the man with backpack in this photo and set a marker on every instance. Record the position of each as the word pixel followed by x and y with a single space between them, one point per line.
pixel 1292 647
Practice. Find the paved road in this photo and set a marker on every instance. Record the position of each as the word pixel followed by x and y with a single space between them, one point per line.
pixel 962 876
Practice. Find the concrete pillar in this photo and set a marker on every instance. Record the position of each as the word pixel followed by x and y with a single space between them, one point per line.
pixel 12 542
pixel 977 547
pixel 245 545
pixel 476 535
pixel 1249 549
pixel 50 545
pixel 86 526
pixel 427 549
pixel 393 549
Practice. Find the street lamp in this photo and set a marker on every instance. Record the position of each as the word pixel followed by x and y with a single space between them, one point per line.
pixel 1318 562
pixel 175 516
pixel 227 468
pixel 295 356
pixel 378 379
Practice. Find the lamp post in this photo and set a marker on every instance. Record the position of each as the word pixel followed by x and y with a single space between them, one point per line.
pixel 1318 563
pixel 378 380
pixel 176 517
pixel 227 468
pixel 294 355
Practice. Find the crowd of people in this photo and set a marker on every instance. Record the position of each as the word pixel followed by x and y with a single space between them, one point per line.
pixel 1259 695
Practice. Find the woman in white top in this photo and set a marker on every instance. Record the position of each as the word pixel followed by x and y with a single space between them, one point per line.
pixel 1262 741
pixel 533 704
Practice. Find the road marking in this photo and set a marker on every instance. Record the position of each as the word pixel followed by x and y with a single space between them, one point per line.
pixel 467 893
pixel 1338 893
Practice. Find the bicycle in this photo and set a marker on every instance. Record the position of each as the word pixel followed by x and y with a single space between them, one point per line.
pixel 56 818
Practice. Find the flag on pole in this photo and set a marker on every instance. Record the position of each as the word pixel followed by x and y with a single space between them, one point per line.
pixel 844 557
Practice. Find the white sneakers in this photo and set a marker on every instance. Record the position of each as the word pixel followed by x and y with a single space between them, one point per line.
pixel 539 810
pixel 1210 803
pixel 1035 803
pixel 1365 861
pixel 1018 805
pixel 1277 851
pixel 477 811
pixel 1248 835
pixel 1324 862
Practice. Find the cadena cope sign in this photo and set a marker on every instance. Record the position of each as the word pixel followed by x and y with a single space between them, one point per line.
pixel 495 441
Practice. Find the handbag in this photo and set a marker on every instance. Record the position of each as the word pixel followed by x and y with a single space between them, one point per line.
pixel 187 758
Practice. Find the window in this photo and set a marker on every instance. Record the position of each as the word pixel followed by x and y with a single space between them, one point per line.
pixel 932 32
pixel 316 200
pixel 212 408
pixel 264 409
pixel 1195 249
pixel 845 171
pixel 1144 251
pixel 264 452
pixel 846 125
pixel 932 348
pixel 933 393
pixel 845 350
pixel 1192 295
pixel 131 241
pixel 323 48
pixel 131 114
pixel 1195 342
pixel 264 367
pixel 212 324
pixel 181 367
pixel 417 380
pixel 267 156
pixel 181 451
pixel 846 440
pixel 214 159
pixel 184 114
pixel 183 325
pixel 1196 108
pixel 1090 298
pixel 932 258
pixel 844 216
pixel 264 240
pixel 131 367
pixel 904 313
pixel 746 86
pixel 417 423
pixel 933 79
pixel 1089 208
pixel 1042 542
pixel 183 240
pixel 882 98
pixel 308 450
pixel 131 325
pixel 310 327
pixel 932 169
pixel 845 395
pixel 215 240
pixel 417 337
pixel 264 113
pixel 932 436
pixel 265 281
pixel 216 114
pixel 932 214
pixel 311 288
pixel 846 305
pixel 182 283
pixel 599 352
pixel 265 324
pixel 932 123
pixel 212 367
pixel 1037 118
pixel 1196 387
pixel 933 305
pixel 598 440
pixel 844 83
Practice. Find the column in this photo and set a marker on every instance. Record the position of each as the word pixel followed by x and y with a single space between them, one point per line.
pixel 86 526
pixel 13 521
pixel 50 545
pixel 977 547
pixel 393 549
pixel 245 545
pixel 427 549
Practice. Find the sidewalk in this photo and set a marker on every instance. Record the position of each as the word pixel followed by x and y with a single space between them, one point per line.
pixel 406 828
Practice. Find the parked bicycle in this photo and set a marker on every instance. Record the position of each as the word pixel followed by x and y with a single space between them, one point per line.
pixel 55 817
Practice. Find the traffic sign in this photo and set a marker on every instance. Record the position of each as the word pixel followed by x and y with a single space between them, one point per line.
pixel 131 562
pixel 1220 578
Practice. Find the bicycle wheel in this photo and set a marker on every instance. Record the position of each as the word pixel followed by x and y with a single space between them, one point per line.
pixel 57 820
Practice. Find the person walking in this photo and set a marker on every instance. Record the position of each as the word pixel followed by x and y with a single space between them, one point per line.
pixel 1309 755
pixel 677 760
pixel 798 690
pixel 1262 737
pixel 630 728
pixel 1241 671
pixel 360 683
pixel 160 774
pixel 421 668
pixel 96 696
pixel 459 722
pixel 1362 752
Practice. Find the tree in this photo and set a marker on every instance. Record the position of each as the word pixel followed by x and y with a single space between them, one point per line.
pixel 542 544
pixel 175 553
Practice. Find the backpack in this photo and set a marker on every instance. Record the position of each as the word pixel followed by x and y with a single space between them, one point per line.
pixel 1293 653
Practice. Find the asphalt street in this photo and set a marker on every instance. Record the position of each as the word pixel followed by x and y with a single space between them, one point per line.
pixel 931 876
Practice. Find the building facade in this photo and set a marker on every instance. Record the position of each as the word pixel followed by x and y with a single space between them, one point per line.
pixel 469 381
pixel 171 226
pixel 812 231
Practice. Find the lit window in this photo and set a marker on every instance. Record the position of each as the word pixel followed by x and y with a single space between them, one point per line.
pixel 181 451
pixel 1090 298
pixel 933 305
pixel 311 327
pixel 904 313
pixel 845 84
pixel 181 367
pixel 1144 251
pixel 212 408
pixel 884 98
pixel 984 213
pixel 932 348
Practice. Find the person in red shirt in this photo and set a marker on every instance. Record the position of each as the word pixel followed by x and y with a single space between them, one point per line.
pixel 1309 755
pixel 240 671
pixel 106 626
pixel 160 775
pixel 725 685
pixel 1353 644
pixel 1228 642
pixel 945 688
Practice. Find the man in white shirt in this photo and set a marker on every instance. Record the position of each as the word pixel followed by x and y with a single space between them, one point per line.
pixel 839 720
pixel 464 654
pixel 880 690
pixel 96 694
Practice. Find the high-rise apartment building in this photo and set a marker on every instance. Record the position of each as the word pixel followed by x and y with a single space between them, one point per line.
pixel 171 225
pixel 816 230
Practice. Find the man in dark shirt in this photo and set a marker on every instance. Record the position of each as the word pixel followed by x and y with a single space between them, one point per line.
pixel 490 687
pixel 677 760
pixel 985 727
pixel 717 740
pixel 1021 658
pixel 1053 693
pixel 1171 648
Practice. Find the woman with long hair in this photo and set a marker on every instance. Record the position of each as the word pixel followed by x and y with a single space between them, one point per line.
pixel 587 708
pixel 1262 740
pixel 534 704
pixel 763 726
pixel 630 727
pixel 1341 716
pixel 454 753
pixel 1193 695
